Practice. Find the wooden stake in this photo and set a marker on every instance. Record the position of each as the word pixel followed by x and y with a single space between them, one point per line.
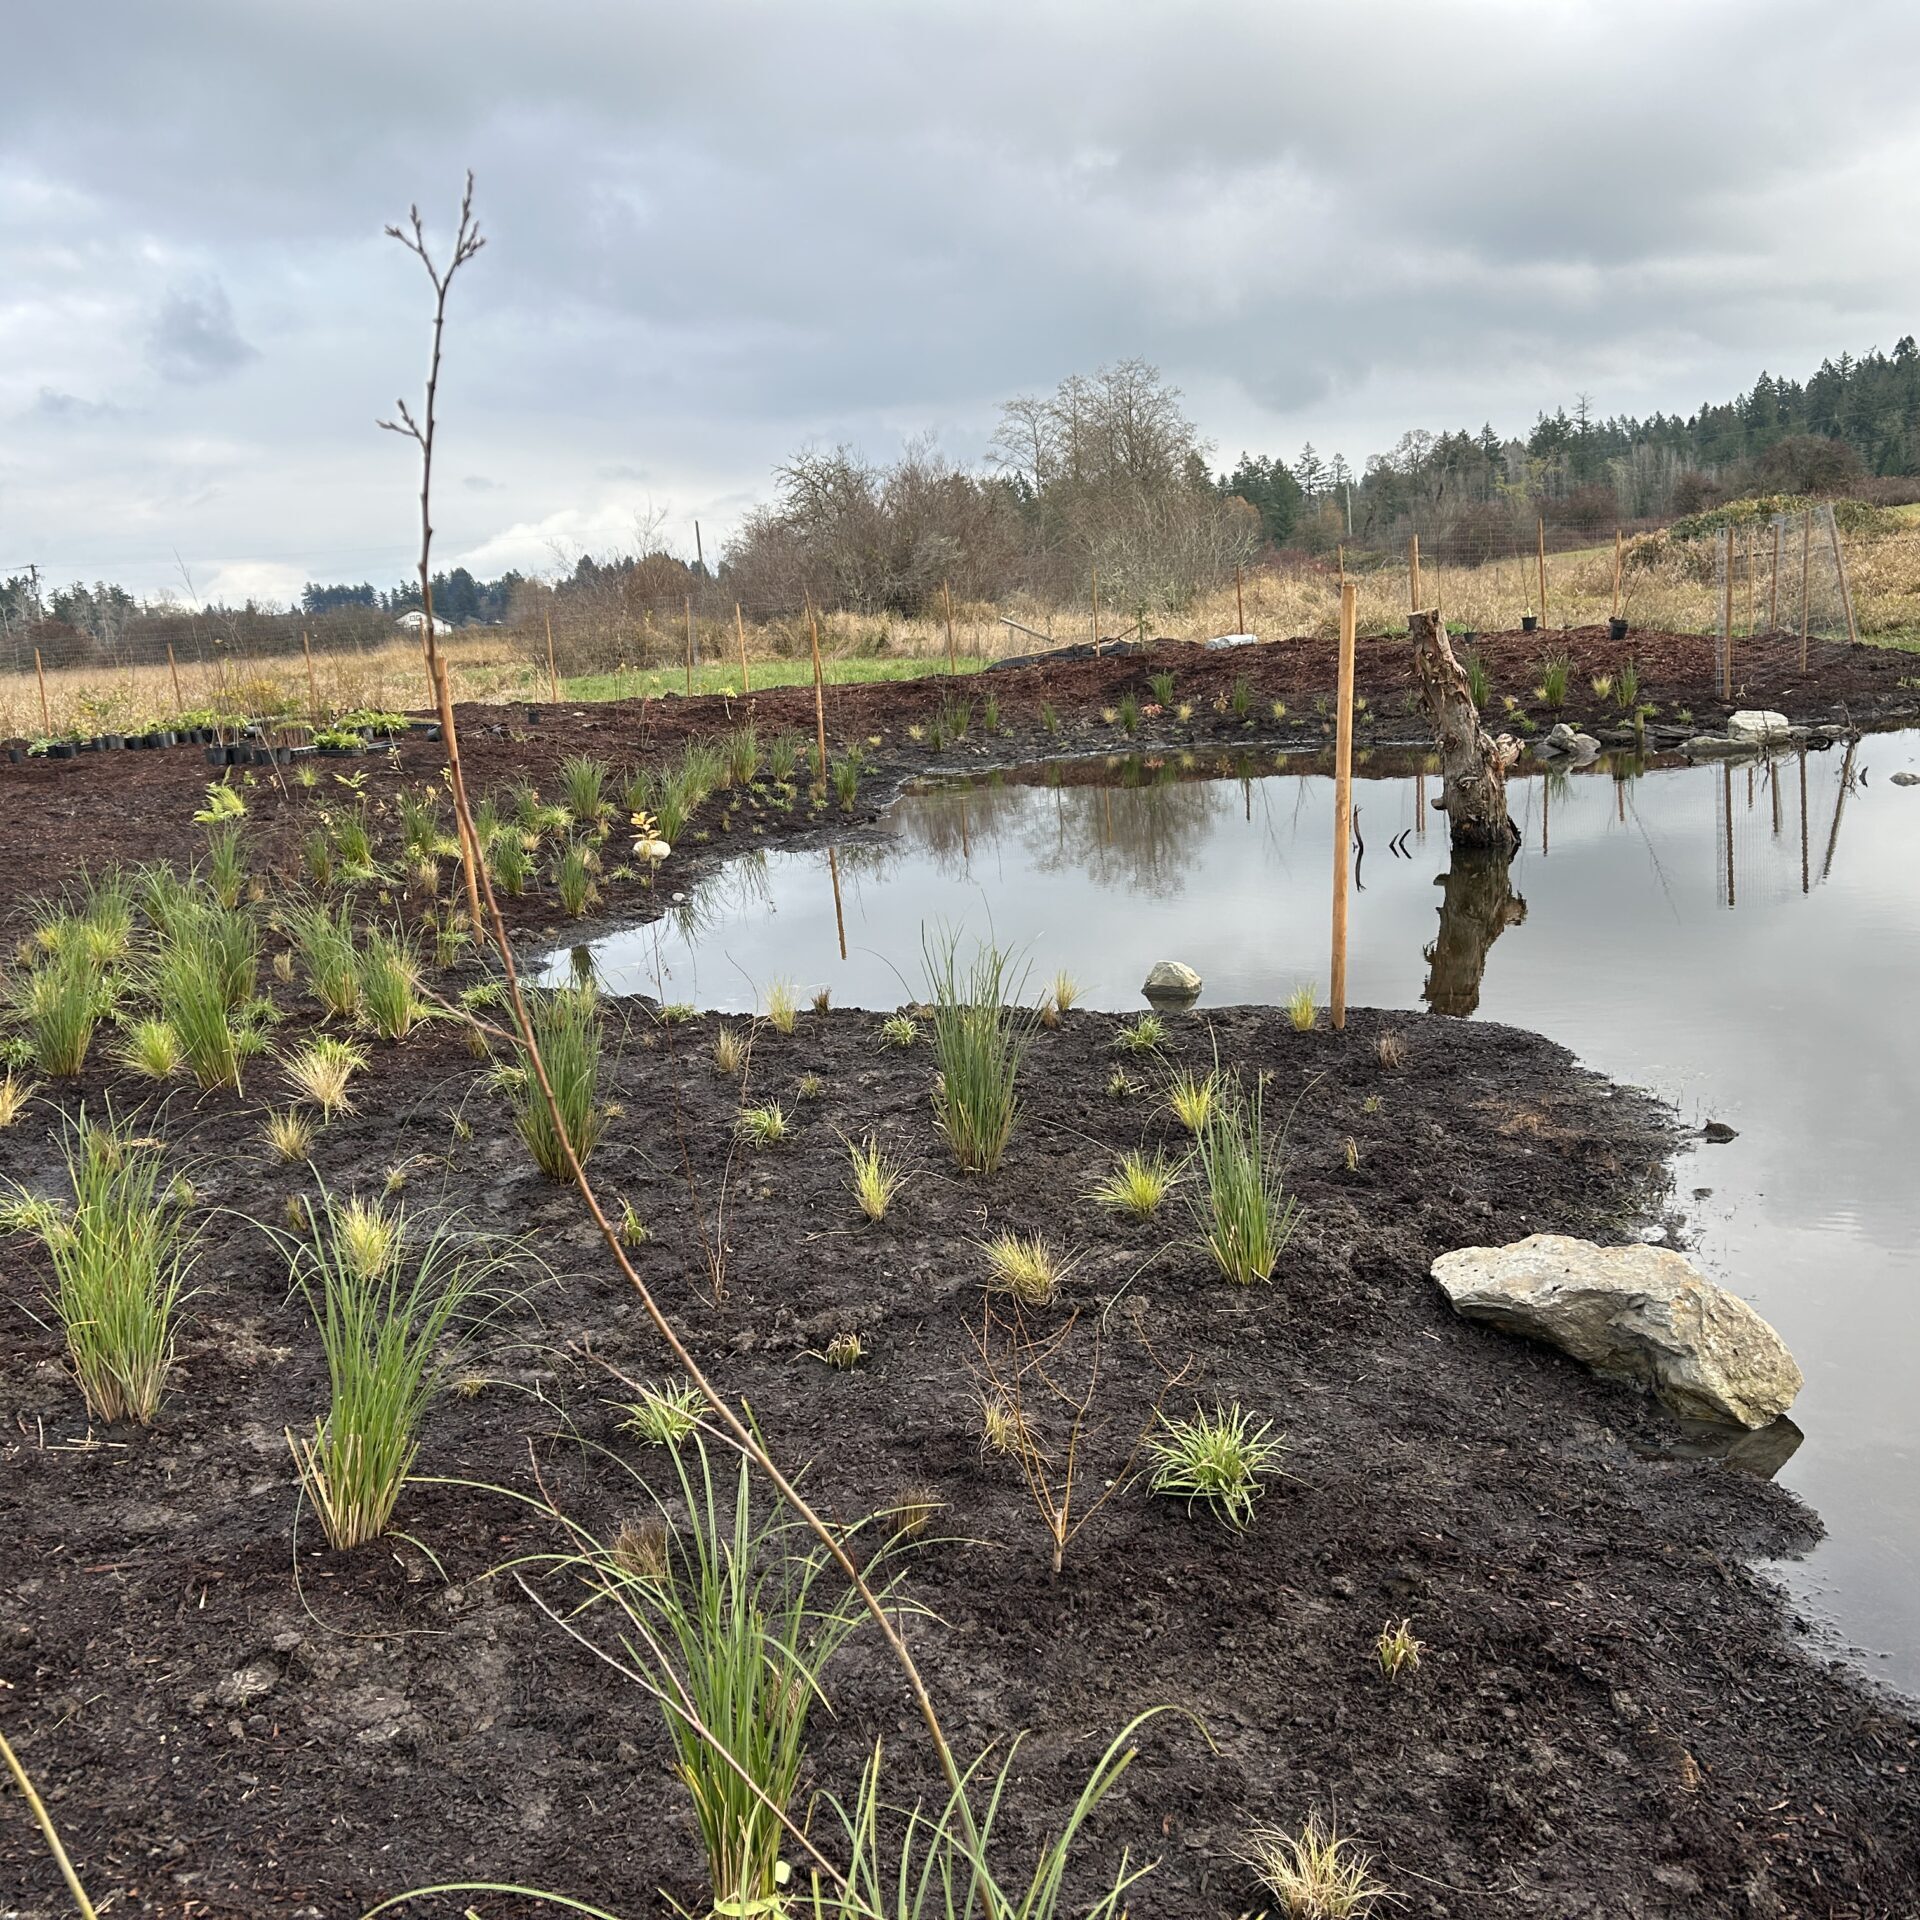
pixel 1726 625
pixel 40 674
pixel 1096 613
pixel 1239 604
pixel 740 628
pixel 1413 573
pixel 819 696
pixel 1749 583
pixel 1342 807
pixel 553 672
pixel 1806 577
pixel 1540 522
pixel 313 688
pixel 173 667
pixel 953 657
pixel 1840 567
pixel 839 917
pixel 689 643
pixel 1616 573
pixel 1773 582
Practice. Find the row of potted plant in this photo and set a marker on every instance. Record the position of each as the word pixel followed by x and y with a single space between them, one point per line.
pixel 232 739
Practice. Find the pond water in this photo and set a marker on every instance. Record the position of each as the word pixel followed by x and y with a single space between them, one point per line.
pixel 1741 939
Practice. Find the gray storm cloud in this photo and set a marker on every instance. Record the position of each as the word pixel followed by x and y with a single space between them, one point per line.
pixel 718 232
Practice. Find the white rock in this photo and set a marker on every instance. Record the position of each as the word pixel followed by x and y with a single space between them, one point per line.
pixel 1172 978
pixel 1641 1314
pixel 1758 723
pixel 1906 779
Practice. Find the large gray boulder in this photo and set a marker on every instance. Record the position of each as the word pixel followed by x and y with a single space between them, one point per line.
pixel 1638 1313
pixel 1758 723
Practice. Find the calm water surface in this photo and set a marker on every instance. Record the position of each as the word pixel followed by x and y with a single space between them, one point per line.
pixel 1742 940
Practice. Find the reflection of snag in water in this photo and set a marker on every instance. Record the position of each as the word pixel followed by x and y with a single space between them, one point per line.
pixel 1478 905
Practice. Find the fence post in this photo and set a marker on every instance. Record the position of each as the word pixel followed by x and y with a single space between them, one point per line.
pixel 1773 582
pixel 1726 623
pixel 1413 573
pixel 1806 578
pixel 40 674
pixel 1840 567
pixel 689 643
pixel 313 685
pixel 173 667
pixel 1540 524
pixel 1096 613
pixel 1239 603
pixel 953 656
pixel 1342 809
pixel 740 628
pixel 1750 572
pixel 819 696
pixel 553 672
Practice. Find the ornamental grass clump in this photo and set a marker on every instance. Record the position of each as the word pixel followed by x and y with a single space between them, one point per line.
pixel 666 1413
pixel 390 1003
pixel 1138 1185
pixel 567 1029
pixel 1241 1207
pixel 1143 1035
pixel 583 779
pixel 876 1179
pixel 120 1262
pixel 1216 1459
pixel 732 1635
pixel 151 1049
pixel 321 1071
pixel 59 1002
pixel 573 879
pixel 1315 1874
pixel 395 1317
pixel 1191 1099
pixel 323 943
pixel 1028 1267
pixel 979 1041
pixel 202 979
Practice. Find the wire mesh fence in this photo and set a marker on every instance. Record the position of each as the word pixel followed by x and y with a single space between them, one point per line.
pixel 1780 583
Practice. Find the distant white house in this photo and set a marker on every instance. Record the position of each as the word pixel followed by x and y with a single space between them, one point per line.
pixel 414 620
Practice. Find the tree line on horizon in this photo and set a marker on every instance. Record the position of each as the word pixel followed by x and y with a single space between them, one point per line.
pixel 1105 484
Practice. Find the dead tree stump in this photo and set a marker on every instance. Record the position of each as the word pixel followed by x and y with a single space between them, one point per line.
pixel 1473 764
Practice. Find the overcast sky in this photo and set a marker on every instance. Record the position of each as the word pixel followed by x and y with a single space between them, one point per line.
pixel 717 232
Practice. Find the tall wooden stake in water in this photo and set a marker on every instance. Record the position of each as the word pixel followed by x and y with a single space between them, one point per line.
pixel 819 696
pixel 953 654
pixel 40 674
pixel 1342 806
pixel 740 631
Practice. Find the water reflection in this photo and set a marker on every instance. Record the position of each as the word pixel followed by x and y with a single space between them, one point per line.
pixel 1477 905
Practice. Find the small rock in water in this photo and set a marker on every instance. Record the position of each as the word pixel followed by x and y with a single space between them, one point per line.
pixel 1171 980
pixel 1719 1132
pixel 1906 779
pixel 1641 1314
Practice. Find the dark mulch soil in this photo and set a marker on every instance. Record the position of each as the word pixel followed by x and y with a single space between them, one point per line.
pixel 134 806
pixel 1611 1719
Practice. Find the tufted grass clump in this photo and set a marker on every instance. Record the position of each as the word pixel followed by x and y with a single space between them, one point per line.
pixel 765 1126
pixel 1216 1459
pixel 151 1049
pixel 1191 1099
pixel 781 1008
pixel 201 979
pixel 573 879
pixel 59 1002
pixel 979 1041
pixel 289 1133
pixel 15 1093
pixel 390 1003
pixel 323 943
pixel 396 1316
pixel 1303 1011
pixel 900 1030
pixel 1240 1204
pixel 1027 1267
pixel 876 1179
pixel 1391 1051
pixel 120 1260
pixel 729 1051
pixel 583 780
pixel 1138 1185
pixel 1315 1874
pixel 1143 1035
pixel 567 1029
pixel 1397 1650
pixel 666 1413
pixel 321 1072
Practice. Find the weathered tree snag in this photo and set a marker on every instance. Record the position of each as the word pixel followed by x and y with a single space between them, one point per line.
pixel 1476 908
pixel 1473 764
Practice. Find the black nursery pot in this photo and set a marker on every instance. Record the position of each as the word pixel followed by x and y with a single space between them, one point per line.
pixel 16 752
pixel 1529 622
pixel 112 742
pixel 219 756
pixel 533 716
pixel 63 750
pixel 1616 628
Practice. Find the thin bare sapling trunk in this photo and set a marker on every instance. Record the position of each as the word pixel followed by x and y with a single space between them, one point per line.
pixel 1473 764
